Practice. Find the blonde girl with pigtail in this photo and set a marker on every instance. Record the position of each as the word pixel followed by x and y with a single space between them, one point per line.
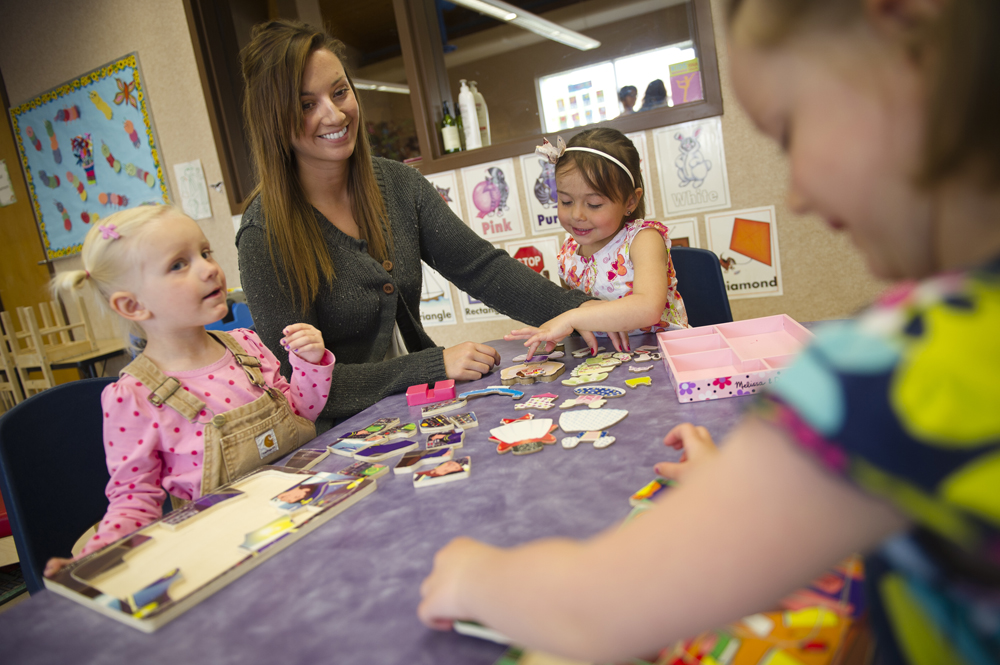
pixel 611 252
pixel 195 409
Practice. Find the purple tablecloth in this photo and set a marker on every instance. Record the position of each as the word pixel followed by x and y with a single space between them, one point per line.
pixel 348 592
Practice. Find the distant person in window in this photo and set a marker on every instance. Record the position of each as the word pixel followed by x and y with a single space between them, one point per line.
pixel 656 95
pixel 628 96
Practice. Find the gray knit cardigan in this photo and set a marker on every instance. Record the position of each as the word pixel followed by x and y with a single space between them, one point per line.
pixel 357 310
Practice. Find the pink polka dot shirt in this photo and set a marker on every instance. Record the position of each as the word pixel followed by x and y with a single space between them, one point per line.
pixel 150 449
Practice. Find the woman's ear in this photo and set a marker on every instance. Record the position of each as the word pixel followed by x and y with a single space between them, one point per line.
pixel 127 305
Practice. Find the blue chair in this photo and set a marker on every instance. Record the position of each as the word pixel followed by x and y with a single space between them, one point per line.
pixel 700 283
pixel 241 319
pixel 52 471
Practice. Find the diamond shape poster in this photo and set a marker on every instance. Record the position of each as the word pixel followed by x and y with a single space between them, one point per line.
pixel 746 242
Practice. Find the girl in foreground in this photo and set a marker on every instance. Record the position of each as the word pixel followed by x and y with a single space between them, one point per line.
pixel 884 436
pixel 194 410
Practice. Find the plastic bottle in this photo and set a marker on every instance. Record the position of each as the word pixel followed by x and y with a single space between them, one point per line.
pixel 482 113
pixel 461 126
pixel 467 102
pixel 449 132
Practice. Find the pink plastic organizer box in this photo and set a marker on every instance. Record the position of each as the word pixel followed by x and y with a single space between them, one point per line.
pixel 730 359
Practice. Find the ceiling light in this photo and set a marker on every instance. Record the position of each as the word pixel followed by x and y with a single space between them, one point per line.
pixel 502 11
pixel 381 86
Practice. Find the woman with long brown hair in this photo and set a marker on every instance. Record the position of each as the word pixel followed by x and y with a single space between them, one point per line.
pixel 333 236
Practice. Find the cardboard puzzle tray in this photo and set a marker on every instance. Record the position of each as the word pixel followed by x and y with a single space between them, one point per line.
pixel 155 574
pixel 730 359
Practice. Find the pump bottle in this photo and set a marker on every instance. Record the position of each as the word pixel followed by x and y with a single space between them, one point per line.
pixel 483 114
pixel 467 102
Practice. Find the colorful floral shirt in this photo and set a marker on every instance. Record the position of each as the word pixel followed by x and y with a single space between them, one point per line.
pixel 609 274
pixel 904 402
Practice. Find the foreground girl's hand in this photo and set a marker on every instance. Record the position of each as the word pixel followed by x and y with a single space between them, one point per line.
pixel 304 341
pixel 469 361
pixel 54 565
pixel 697 445
pixel 443 591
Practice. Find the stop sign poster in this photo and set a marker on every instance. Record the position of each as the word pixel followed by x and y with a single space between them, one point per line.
pixel 538 254
pixel 492 202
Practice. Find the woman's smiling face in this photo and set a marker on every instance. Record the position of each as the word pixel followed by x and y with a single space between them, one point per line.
pixel 329 113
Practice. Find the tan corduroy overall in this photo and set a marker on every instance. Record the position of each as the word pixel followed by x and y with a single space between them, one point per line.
pixel 241 439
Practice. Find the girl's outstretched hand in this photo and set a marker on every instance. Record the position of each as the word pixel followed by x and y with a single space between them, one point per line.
pixel 697 445
pixel 54 565
pixel 304 341
pixel 442 591
pixel 549 333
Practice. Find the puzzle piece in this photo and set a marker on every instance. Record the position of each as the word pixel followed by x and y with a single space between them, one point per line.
pixel 421 394
pixel 414 459
pixel 583 370
pixel 507 421
pixel 589 420
pixel 539 358
pixel 442 407
pixel 464 420
pixel 527 448
pixel 600 439
pixel 545 401
pixel 376 428
pixel 436 424
pixel 624 357
pixel 639 381
pixel 635 369
pixel 642 358
pixel 455 469
pixel 650 491
pixel 588 378
pixel 604 391
pixel 450 439
pixel 580 353
pixel 603 361
pixel 528 373
pixel 493 390
pixel 590 401
pixel 647 348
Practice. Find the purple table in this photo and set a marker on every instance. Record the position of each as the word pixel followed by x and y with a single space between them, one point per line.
pixel 348 592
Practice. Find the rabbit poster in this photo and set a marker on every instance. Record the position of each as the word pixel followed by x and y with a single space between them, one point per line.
pixel 492 200
pixel 539 179
pixel 746 242
pixel 692 162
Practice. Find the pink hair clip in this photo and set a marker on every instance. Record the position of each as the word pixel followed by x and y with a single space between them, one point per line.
pixel 551 152
pixel 109 232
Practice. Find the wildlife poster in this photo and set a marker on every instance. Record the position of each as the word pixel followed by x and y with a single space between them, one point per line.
pixel 683 232
pixel 474 311
pixel 691 159
pixel 638 139
pixel 436 304
pixel 492 201
pixel 539 177
pixel 539 255
pixel 88 148
pixel 746 242
pixel 446 184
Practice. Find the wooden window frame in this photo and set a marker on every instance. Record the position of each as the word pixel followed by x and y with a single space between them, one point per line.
pixel 420 39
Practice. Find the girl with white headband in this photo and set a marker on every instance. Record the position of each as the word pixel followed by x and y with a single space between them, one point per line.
pixel 611 252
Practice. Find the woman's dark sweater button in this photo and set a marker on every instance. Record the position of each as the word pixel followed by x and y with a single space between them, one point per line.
pixel 388 288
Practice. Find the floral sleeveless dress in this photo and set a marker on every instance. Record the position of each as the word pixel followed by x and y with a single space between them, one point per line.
pixel 609 274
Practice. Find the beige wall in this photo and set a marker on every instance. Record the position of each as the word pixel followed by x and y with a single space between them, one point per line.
pixel 37 54
pixel 823 275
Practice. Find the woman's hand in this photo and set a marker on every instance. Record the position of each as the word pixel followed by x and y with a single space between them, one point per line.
pixel 442 590
pixel 697 445
pixel 54 565
pixel 305 341
pixel 469 361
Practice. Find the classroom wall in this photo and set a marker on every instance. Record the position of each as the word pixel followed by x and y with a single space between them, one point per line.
pixel 45 43
pixel 824 277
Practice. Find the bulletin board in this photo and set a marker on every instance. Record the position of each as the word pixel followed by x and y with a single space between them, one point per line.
pixel 88 148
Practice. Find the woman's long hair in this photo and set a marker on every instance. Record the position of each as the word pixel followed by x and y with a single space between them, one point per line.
pixel 273 63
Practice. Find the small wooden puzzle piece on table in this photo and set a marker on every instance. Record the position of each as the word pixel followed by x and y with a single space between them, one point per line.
pixel 603 361
pixel 580 353
pixel 452 470
pixel 450 439
pixel 586 378
pixel 590 419
pixel 527 448
pixel 590 401
pixel 347 448
pixel 376 428
pixel 584 370
pixel 421 394
pixel 600 439
pixel 464 420
pixel 647 348
pixel 383 451
pixel 365 470
pixel 607 392
pixel 639 381
pixel 415 459
pixel 507 421
pixel 538 358
pixel 397 432
pixel 306 459
pixel 650 491
pixel 436 424
pixel 624 357
pixel 636 369
pixel 494 390
pixel 642 358
pixel 442 407
pixel 529 373
pixel 544 401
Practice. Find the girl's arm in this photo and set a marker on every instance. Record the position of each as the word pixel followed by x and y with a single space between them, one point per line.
pixel 309 386
pixel 641 309
pixel 741 531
